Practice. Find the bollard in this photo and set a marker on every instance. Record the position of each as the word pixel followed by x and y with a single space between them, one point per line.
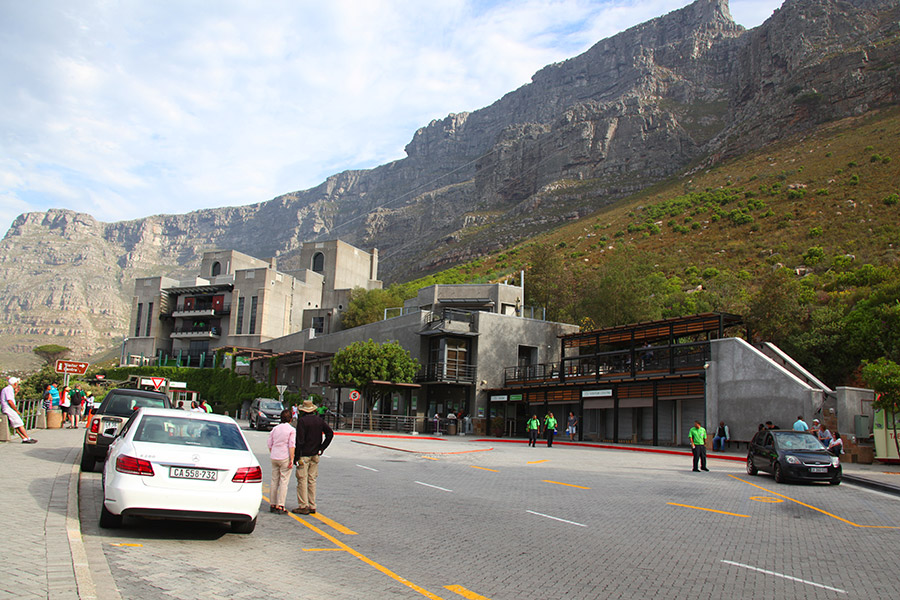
pixel 41 422
pixel 4 428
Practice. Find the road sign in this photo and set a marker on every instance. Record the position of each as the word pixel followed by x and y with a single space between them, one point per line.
pixel 281 389
pixel 71 367
pixel 157 382
pixel 355 395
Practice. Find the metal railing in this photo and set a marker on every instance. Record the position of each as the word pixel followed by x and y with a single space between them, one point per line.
pixel 363 422
pixel 223 309
pixel 447 372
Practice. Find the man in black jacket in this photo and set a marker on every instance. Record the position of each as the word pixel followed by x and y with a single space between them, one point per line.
pixel 309 445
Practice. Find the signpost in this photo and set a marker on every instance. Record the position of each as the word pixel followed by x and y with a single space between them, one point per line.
pixel 355 395
pixel 71 367
pixel 281 388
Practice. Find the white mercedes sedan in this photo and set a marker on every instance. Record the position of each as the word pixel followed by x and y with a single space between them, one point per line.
pixel 173 464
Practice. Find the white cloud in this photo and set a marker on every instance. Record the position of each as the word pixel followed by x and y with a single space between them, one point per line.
pixel 128 109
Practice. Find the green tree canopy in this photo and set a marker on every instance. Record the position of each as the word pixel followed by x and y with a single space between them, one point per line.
pixel 884 377
pixel 51 352
pixel 360 364
pixel 367 306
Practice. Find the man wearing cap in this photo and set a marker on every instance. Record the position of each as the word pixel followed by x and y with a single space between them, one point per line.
pixel 8 404
pixel 309 446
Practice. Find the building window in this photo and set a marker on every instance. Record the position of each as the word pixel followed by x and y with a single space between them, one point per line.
pixel 216 269
pixel 315 375
pixel 240 316
pixel 149 317
pixel 137 321
pixel 252 329
pixel 318 262
pixel 318 325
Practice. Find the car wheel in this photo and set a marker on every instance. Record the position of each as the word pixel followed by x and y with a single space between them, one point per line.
pixel 779 473
pixel 87 461
pixel 836 481
pixel 751 470
pixel 109 520
pixel 243 526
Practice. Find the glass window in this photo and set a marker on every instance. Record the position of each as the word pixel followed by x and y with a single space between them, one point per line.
pixel 318 262
pixel 137 321
pixel 240 316
pixel 149 317
pixel 252 328
pixel 216 269
pixel 189 432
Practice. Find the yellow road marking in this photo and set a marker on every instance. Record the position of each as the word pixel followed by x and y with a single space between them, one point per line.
pixel 431 458
pixel 537 462
pixel 128 545
pixel 824 512
pixel 333 524
pixel 342 546
pixel 769 499
pixel 323 549
pixel 458 589
pixel 721 512
pixel 581 487
pixel 485 469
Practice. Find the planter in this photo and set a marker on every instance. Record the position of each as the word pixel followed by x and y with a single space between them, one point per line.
pixel 54 419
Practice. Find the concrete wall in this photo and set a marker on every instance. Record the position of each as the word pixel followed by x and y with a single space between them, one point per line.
pixel 744 388
pixel 851 402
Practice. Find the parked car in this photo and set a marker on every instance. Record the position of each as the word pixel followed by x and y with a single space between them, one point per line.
pixel 265 413
pixel 173 464
pixel 106 420
pixel 792 455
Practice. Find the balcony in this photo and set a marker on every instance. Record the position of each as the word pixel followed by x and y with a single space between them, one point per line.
pixel 450 321
pixel 197 333
pixel 441 372
pixel 206 310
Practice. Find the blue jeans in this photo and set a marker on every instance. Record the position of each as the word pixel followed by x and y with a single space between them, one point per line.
pixel 719 443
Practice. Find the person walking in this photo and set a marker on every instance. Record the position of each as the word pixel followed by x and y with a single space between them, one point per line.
pixel 8 407
pixel 722 436
pixel 533 427
pixel 549 428
pixel 697 435
pixel 76 399
pixel 571 422
pixel 281 442
pixel 309 445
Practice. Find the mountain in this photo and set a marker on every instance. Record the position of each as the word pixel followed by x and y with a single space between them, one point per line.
pixel 683 91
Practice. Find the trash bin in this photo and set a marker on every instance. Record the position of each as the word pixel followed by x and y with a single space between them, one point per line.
pixel 451 427
pixel 54 419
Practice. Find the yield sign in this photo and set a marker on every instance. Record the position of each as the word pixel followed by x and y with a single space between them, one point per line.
pixel 157 382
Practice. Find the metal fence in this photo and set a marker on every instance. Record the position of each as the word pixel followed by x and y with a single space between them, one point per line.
pixel 363 422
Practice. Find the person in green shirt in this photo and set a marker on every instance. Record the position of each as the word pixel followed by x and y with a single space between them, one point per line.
pixel 549 428
pixel 533 427
pixel 697 435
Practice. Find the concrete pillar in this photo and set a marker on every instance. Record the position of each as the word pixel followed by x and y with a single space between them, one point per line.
pixel 41 422
pixel 4 428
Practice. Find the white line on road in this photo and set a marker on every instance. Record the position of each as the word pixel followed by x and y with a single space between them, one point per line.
pixel 812 583
pixel 434 486
pixel 367 468
pixel 556 518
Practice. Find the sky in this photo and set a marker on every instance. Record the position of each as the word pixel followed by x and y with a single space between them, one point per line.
pixel 124 109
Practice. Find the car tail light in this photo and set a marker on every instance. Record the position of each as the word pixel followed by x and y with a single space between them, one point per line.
pixel 135 466
pixel 248 475
pixel 95 425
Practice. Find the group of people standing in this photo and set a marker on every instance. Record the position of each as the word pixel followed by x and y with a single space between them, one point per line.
pixel 74 403
pixel 534 427
pixel 834 443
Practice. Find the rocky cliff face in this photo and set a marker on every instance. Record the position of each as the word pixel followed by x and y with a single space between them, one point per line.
pixel 637 107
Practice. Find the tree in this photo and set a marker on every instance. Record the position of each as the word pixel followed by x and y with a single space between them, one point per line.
pixel 884 377
pixel 367 306
pixel 360 364
pixel 51 353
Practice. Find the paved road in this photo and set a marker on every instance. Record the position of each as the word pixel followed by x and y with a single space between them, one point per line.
pixel 516 522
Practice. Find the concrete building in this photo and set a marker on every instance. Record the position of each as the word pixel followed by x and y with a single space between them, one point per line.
pixel 238 301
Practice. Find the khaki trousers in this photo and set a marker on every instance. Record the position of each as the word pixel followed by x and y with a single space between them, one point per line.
pixel 281 476
pixel 307 471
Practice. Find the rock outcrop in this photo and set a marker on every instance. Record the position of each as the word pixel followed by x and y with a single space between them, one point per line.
pixel 640 106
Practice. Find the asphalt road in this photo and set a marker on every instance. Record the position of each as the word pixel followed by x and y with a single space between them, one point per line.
pixel 513 522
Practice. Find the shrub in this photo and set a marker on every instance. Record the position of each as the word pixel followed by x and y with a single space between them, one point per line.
pixel 854 179
pixel 891 200
pixel 796 194
pixel 822 192
pixel 814 232
pixel 813 256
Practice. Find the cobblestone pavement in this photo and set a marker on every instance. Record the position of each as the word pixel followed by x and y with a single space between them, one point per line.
pixel 515 522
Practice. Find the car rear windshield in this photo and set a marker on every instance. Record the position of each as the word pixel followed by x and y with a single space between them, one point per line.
pixel 798 441
pixel 271 405
pixel 189 432
pixel 123 404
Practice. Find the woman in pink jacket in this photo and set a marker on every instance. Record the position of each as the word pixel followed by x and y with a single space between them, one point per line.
pixel 281 444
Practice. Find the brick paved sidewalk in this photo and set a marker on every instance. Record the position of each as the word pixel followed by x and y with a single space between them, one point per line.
pixel 41 547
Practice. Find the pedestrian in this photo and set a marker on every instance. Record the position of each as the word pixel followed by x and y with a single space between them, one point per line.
pixel 533 427
pixel 281 442
pixel 309 446
pixel 54 396
pixel 294 412
pixel 836 446
pixel 770 426
pixel 47 398
pixel 697 435
pixel 760 428
pixel 824 435
pixel 800 424
pixel 76 399
pixel 8 407
pixel 65 403
pixel 721 436
pixel 195 407
pixel 437 423
pixel 571 422
pixel 206 407
pixel 88 406
pixel 549 428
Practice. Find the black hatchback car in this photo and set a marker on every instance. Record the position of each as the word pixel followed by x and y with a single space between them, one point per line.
pixel 792 455
pixel 106 421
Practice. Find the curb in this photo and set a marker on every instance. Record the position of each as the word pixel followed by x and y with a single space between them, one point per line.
pixel 871 484
pixel 84 581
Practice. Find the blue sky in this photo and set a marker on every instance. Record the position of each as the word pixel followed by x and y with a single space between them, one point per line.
pixel 126 109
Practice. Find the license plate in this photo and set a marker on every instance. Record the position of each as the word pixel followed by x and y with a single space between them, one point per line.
pixel 109 424
pixel 183 473
pixel 818 469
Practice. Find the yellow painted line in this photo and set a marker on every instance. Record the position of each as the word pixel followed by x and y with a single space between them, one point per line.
pixel 468 451
pixel 333 524
pixel 458 589
pixel 485 469
pixel 581 487
pixel 537 462
pixel 342 546
pixel 128 545
pixel 768 499
pixel 721 512
pixel 431 458
pixel 824 512
pixel 323 549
